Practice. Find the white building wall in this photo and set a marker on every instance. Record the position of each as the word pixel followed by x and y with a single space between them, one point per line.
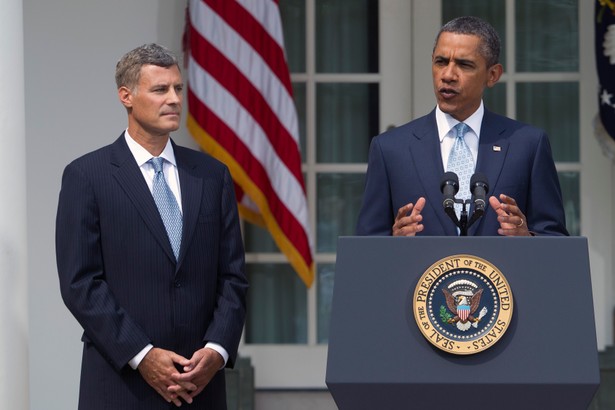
pixel 13 253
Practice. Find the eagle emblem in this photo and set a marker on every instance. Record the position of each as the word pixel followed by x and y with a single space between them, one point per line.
pixel 463 300
pixel 462 304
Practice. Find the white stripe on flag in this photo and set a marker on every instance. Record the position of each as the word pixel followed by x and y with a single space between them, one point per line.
pixel 267 13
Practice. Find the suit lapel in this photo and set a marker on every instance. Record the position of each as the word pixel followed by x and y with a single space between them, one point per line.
pixel 191 188
pixel 130 179
pixel 425 150
pixel 492 151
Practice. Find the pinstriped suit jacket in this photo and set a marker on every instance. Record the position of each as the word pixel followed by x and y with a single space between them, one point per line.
pixel 405 163
pixel 119 278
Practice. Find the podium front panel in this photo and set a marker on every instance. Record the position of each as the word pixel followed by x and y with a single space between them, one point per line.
pixel 379 359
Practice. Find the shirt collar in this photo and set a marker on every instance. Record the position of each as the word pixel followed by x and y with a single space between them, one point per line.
pixel 142 155
pixel 446 122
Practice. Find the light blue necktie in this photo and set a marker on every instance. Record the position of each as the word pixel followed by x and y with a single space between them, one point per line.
pixel 461 162
pixel 167 206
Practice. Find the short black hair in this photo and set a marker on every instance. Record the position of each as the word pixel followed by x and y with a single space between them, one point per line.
pixel 490 40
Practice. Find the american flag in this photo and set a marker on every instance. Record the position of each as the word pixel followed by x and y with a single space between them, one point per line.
pixel 242 112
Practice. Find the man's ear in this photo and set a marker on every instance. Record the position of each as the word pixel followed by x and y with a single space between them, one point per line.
pixel 125 95
pixel 494 74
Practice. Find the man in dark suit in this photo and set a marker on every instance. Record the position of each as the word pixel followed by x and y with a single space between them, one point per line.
pixel 160 294
pixel 407 163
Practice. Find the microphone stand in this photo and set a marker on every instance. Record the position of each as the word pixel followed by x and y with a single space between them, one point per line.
pixel 478 188
pixel 462 222
pixel 476 215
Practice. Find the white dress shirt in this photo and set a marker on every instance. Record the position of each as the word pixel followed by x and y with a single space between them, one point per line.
pixel 447 134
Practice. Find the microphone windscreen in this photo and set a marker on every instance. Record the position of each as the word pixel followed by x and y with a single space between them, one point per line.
pixel 449 178
pixel 479 178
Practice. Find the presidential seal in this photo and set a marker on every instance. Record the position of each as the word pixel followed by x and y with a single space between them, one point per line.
pixel 463 304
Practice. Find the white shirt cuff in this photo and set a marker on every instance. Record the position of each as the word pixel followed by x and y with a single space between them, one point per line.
pixel 219 349
pixel 135 361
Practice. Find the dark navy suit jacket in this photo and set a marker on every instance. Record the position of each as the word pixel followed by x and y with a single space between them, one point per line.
pixel 119 278
pixel 405 164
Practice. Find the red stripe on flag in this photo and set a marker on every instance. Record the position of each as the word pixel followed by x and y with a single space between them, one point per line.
pixel 227 74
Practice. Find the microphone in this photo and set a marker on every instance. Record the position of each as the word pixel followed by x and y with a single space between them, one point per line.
pixel 479 186
pixel 449 187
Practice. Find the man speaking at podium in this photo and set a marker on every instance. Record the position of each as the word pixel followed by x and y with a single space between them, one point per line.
pixel 406 165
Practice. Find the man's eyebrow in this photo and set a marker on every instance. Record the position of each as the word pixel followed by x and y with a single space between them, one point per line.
pixel 166 85
pixel 456 60
pixel 464 61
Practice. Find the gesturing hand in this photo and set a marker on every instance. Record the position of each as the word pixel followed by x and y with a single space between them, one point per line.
pixel 408 219
pixel 511 219
pixel 158 367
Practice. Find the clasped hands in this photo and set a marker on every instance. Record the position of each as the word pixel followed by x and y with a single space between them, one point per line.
pixel 408 221
pixel 159 371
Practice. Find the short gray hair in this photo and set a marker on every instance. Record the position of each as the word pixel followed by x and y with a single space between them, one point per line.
pixel 490 40
pixel 128 69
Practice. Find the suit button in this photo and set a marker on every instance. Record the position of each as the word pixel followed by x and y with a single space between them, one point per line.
pixel 177 284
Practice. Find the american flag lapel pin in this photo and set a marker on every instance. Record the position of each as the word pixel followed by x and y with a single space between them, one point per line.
pixel 497 148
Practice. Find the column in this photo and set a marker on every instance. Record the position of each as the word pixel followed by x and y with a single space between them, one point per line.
pixel 13 263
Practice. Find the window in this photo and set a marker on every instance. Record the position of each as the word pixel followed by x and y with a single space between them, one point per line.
pixel 333 53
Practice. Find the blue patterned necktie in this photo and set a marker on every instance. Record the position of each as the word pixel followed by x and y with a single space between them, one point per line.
pixel 461 162
pixel 167 206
